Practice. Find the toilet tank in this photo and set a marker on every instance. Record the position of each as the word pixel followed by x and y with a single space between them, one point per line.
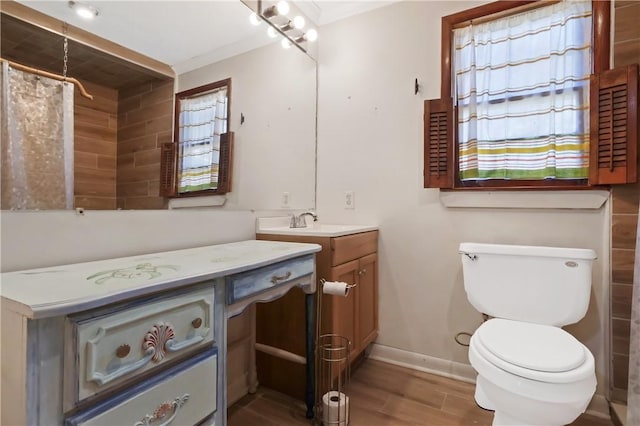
pixel 543 285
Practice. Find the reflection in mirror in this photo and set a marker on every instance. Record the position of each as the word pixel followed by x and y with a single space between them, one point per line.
pixel 199 159
pixel 118 135
pixel 273 119
pixel 37 152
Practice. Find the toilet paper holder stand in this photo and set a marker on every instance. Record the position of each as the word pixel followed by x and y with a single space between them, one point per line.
pixel 333 370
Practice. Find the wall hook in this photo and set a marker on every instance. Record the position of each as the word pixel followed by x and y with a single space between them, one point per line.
pixel 416 87
pixel 241 118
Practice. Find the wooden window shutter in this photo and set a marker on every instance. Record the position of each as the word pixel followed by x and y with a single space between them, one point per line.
pixel 613 152
pixel 168 156
pixel 438 143
pixel 225 171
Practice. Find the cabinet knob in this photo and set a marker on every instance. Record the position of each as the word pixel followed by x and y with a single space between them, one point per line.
pixel 123 350
pixel 277 278
pixel 362 271
pixel 196 323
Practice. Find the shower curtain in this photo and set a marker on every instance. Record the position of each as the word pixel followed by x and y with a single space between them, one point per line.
pixel 633 395
pixel 37 142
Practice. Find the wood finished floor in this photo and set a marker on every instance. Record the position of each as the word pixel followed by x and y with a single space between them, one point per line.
pixel 382 394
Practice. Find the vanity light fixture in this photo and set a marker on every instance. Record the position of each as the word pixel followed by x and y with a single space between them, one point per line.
pixel 298 22
pixel 254 19
pixel 84 10
pixel 285 43
pixel 281 8
pixel 291 30
pixel 310 36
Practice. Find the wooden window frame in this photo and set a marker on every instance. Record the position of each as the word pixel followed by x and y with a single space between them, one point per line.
pixel 601 51
pixel 170 152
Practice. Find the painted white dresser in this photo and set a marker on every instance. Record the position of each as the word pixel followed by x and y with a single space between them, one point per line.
pixel 138 340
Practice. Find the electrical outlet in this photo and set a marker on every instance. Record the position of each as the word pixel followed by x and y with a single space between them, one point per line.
pixel 349 200
pixel 285 201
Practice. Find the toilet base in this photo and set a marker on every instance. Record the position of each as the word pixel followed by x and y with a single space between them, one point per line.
pixel 481 398
pixel 514 410
pixel 503 419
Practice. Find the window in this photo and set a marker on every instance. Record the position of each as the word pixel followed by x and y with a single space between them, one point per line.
pixel 198 162
pixel 518 101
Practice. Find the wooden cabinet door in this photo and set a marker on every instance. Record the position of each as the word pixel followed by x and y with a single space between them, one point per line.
pixel 367 301
pixel 342 309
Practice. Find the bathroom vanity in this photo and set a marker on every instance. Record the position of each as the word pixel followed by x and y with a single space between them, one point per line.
pixel 349 254
pixel 138 340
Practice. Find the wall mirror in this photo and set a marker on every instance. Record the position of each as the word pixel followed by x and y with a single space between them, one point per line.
pixel 117 135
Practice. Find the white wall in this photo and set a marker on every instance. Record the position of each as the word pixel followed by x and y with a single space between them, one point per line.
pixel 370 141
pixel 274 152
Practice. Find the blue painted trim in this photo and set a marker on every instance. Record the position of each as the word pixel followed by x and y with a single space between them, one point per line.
pixel 232 280
pixel 130 392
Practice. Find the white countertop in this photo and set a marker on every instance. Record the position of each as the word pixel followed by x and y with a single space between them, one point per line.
pixel 280 226
pixel 60 290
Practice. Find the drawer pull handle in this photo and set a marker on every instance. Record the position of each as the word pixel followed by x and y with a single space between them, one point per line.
pixel 123 351
pixel 102 379
pixel 172 346
pixel 163 411
pixel 276 279
pixel 196 323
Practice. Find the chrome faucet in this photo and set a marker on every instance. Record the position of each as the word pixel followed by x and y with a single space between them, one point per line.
pixel 300 222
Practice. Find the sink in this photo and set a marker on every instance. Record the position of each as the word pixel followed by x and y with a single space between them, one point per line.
pixel 280 226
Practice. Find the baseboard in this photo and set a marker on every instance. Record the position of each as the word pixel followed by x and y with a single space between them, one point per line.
pixel 618 414
pixel 598 407
pixel 421 362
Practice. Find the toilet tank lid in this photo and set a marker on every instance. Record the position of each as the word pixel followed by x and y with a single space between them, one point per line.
pixel 521 250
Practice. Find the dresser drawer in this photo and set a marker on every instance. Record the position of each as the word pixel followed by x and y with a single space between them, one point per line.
pixel 184 395
pixel 351 247
pixel 246 284
pixel 118 346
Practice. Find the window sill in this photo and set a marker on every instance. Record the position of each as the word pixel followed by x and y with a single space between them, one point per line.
pixel 577 199
pixel 195 202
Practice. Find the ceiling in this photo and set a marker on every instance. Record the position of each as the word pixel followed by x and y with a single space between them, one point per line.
pixel 33 46
pixel 183 34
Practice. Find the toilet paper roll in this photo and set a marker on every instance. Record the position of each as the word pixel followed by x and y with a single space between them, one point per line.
pixel 337 288
pixel 335 409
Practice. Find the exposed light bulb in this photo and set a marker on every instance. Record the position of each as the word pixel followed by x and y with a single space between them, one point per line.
pixel 84 11
pixel 283 7
pixel 311 35
pixel 271 32
pixel 285 43
pixel 254 19
pixel 298 22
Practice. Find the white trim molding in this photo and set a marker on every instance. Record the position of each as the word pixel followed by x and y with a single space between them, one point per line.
pixel 421 362
pixel 578 199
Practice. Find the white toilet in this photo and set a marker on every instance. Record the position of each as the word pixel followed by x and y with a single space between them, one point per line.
pixel 530 371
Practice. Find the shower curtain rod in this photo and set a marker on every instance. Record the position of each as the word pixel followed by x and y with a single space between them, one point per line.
pixel 43 73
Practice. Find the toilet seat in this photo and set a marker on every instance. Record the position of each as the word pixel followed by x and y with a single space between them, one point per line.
pixel 533 351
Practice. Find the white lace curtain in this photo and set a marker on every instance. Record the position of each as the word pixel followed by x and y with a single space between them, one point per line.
pixel 522 90
pixel 202 120
pixel 37 142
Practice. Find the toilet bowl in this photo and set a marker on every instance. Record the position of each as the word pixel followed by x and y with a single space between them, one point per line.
pixel 530 371
pixel 531 374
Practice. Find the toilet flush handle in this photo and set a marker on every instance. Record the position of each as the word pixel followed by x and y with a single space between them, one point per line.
pixel 470 256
